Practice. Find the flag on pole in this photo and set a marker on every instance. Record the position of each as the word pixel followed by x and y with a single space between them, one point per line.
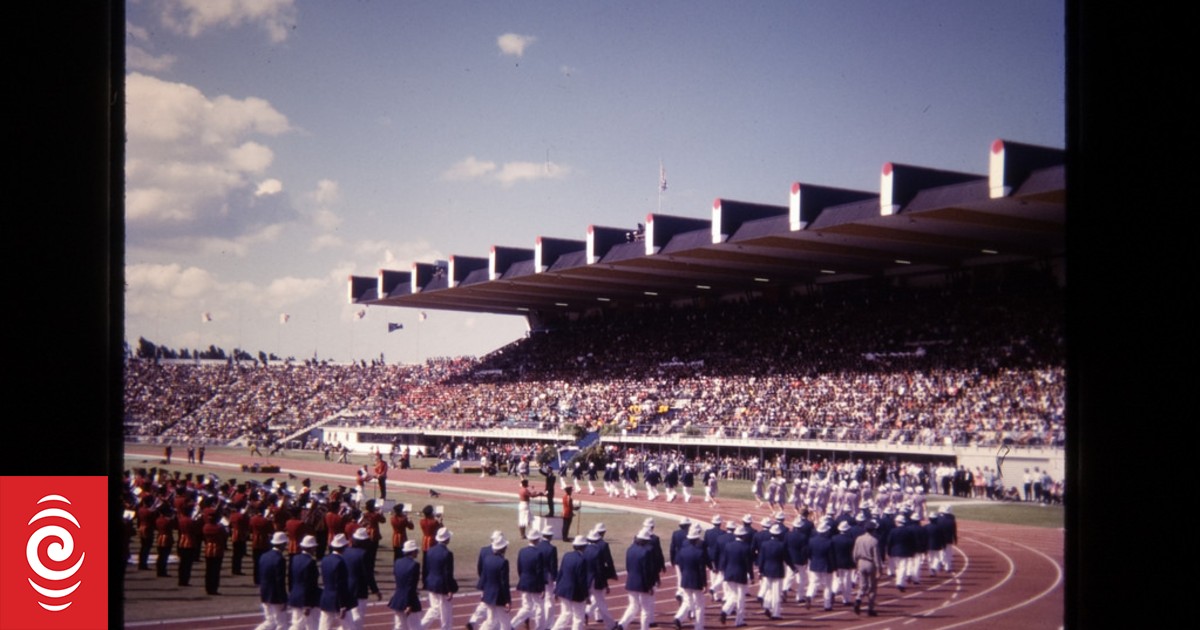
pixel 284 317
pixel 205 317
pixel 423 316
pixel 394 327
pixel 662 177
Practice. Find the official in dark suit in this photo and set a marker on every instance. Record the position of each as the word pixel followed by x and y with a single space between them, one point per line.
pixel 304 596
pixel 406 601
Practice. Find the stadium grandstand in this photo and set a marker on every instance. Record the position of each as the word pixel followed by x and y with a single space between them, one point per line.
pixel 924 322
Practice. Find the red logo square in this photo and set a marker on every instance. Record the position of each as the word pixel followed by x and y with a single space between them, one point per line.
pixel 54 552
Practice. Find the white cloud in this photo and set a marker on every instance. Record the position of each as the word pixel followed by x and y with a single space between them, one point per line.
pixel 137 58
pixel 289 289
pixel 187 154
pixel 513 172
pixel 513 44
pixel 505 174
pixel 269 187
pixel 238 246
pixel 469 168
pixel 193 17
pixel 325 241
pixel 566 70
pixel 326 220
pixel 326 192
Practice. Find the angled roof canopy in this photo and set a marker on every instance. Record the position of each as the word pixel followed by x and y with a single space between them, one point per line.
pixel 921 221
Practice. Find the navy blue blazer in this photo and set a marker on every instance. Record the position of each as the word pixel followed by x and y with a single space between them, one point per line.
pixel 640 575
pixel 272 578
pixel 600 566
pixel 549 559
pixel 531 570
pixel 494 580
pixel 736 561
pixel 439 570
pixel 336 593
pixel 772 558
pixel 408 573
pixel 691 561
pixel 572 581
pixel 356 571
pixel 820 554
pixel 305 592
pixel 843 551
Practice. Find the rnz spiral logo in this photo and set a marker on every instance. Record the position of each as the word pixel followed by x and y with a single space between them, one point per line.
pixel 54 586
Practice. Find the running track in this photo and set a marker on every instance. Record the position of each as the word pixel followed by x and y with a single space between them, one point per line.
pixel 1005 576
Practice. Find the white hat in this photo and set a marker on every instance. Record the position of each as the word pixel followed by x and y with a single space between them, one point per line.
pixel 766 522
pixel 844 526
pixel 900 520
pixel 741 531
pixel 279 538
pixel 534 535
pixel 779 517
pixel 580 541
pixel 599 528
pixel 730 525
pixel 776 529
pixel 309 542
pixel 748 519
pixel 339 541
pixel 823 527
pixel 548 532
pixel 593 535
pixel 361 534
pixel 685 521
pixel 797 521
pixel 643 533
pixel 695 532
pixel 443 535
pixel 649 522
pixel 716 519
pixel 496 535
pixel 499 543
pixel 409 546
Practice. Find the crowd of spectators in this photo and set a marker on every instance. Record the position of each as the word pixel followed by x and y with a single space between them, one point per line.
pixel 917 368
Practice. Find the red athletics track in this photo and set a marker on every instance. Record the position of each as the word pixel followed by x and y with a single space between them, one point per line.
pixel 1005 576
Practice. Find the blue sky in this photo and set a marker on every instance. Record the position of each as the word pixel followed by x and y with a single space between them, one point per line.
pixel 276 147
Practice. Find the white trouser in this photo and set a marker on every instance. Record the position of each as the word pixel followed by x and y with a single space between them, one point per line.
pixel 800 578
pixel 497 618
pixel 687 494
pixel 823 581
pixel 301 621
pixel 532 609
pixel 599 607
pixel 331 620
pixel 441 610
pixel 407 621
pixel 479 614
pixel 274 617
pixel 735 600
pixel 572 614
pixel 773 595
pixel 841 583
pixel 693 602
pixel 639 606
